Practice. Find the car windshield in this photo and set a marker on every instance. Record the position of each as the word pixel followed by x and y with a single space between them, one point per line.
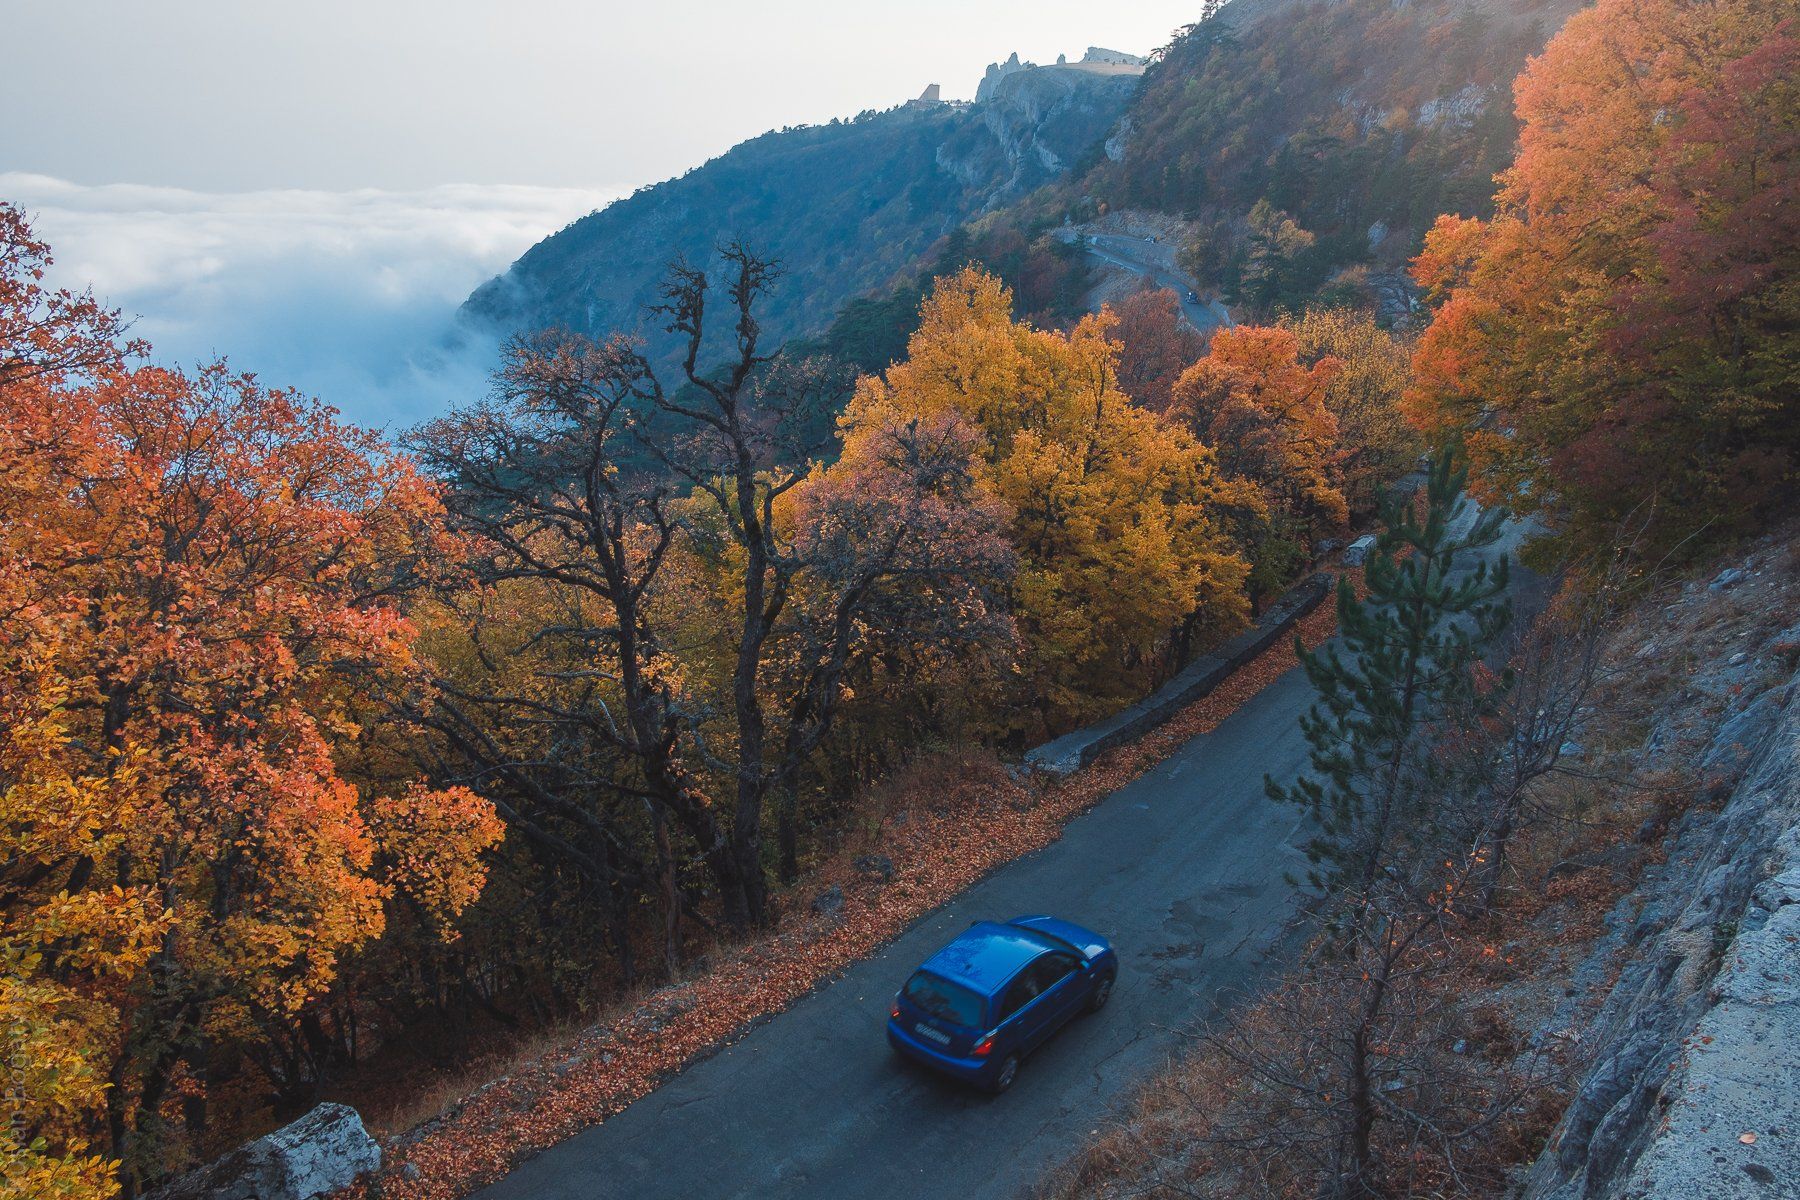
pixel 941 998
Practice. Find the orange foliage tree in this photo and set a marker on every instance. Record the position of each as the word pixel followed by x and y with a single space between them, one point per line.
pixel 1620 335
pixel 198 572
pixel 1155 346
pixel 1266 416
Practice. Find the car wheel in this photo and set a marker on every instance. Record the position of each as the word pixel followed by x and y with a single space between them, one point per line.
pixel 1009 1071
pixel 1102 993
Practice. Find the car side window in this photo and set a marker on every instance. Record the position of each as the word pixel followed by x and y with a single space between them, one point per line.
pixel 1034 981
pixel 1051 970
pixel 1023 991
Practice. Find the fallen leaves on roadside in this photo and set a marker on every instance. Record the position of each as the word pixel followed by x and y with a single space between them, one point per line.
pixel 611 1065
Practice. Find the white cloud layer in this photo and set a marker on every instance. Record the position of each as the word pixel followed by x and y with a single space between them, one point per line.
pixel 348 296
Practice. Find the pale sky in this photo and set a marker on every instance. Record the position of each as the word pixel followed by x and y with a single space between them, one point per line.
pixel 311 187
pixel 238 95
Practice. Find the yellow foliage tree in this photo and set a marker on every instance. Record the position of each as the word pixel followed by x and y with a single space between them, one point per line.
pixel 1376 444
pixel 1115 513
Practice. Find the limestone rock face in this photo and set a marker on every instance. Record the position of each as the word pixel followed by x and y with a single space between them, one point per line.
pixel 1040 120
pixel 1691 1094
pixel 323 1151
pixel 844 207
pixel 995 73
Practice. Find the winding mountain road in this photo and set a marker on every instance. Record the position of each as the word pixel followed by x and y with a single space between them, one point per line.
pixel 1153 261
pixel 1183 868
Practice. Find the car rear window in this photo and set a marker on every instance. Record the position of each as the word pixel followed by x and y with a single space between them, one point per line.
pixel 948 1001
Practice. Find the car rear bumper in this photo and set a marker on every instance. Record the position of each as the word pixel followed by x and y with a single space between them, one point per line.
pixel 969 1070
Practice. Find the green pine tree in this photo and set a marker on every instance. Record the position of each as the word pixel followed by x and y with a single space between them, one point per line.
pixel 1406 657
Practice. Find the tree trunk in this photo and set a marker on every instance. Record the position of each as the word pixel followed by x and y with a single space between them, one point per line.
pixel 671 898
pixel 789 834
pixel 196 1057
pixel 1497 845
pixel 747 854
pixel 1360 1090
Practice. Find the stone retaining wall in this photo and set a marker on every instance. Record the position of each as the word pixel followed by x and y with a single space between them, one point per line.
pixel 1073 751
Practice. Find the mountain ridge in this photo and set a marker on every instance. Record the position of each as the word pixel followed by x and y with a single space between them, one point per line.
pixel 844 206
pixel 1340 128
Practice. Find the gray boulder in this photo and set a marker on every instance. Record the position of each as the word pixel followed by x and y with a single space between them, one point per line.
pixel 829 903
pixel 1742 734
pixel 323 1151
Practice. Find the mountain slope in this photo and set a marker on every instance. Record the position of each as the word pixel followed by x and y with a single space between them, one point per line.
pixel 843 206
pixel 1333 112
pixel 1292 146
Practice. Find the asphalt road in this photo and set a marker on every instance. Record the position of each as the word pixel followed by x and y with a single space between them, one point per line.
pixel 1183 869
pixel 1149 259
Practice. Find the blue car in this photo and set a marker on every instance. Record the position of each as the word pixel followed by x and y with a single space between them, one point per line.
pixel 977 1007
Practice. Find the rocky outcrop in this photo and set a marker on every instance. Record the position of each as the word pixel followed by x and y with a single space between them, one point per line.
pixel 1041 119
pixel 1693 1087
pixel 844 207
pixel 323 1151
pixel 1459 110
pixel 1115 58
pixel 995 72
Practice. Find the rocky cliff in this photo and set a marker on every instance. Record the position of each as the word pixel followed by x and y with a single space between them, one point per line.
pixel 843 206
pixel 1691 1089
pixel 1033 126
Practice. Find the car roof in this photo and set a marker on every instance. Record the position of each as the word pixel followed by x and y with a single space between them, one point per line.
pixel 1065 935
pixel 986 955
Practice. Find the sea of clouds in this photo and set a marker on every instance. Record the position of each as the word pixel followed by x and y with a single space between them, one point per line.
pixel 349 296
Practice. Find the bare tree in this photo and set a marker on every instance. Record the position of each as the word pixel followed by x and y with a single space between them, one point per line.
pixel 572 476
pixel 539 478
pixel 743 423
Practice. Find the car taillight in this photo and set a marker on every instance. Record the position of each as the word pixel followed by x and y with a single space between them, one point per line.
pixel 894 1011
pixel 984 1047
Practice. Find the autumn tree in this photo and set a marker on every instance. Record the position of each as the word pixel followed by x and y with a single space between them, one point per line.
pixel 1619 335
pixel 1266 416
pixel 48 336
pixel 1117 516
pixel 1156 344
pixel 67 955
pixel 198 572
pixel 1375 443
pixel 714 585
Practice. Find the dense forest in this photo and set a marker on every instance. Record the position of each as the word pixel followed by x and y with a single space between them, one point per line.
pixel 1304 148
pixel 316 743
pixel 321 750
